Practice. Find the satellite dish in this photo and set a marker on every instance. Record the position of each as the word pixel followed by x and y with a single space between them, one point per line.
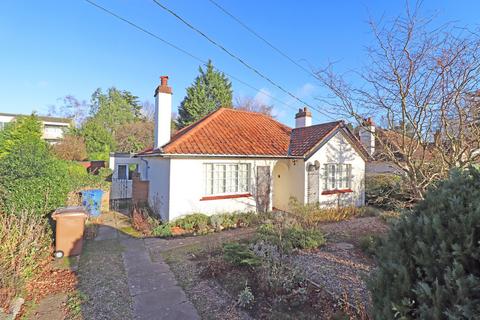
pixel 317 164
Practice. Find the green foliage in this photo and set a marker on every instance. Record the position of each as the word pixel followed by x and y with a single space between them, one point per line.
pixel 18 132
pixel 32 180
pixel 109 111
pixel 386 191
pixel 279 280
pixel 25 241
pixel 368 244
pixel 429 266
pixel 196 222
pixel 163 230
pixel 240 255
pixel 246 298
pixel 80 179
pixel 210 91
pixel 287 238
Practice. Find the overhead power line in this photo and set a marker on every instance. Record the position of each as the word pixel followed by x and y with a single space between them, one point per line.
pixel 246 27
pixel 136 26
pixel 217 44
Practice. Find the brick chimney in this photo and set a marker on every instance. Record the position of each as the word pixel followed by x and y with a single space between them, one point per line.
pixel 367 135
pixel 163 113
pixel 303 118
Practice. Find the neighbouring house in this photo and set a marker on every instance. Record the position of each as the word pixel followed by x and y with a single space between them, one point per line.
pixel 233 160
pixel 374 139
pixel 53 127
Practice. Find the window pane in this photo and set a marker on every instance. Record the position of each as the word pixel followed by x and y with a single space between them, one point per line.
pixel 122 172
pixel 349 176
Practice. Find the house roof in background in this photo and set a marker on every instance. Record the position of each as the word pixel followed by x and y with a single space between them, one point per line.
pixel 42 118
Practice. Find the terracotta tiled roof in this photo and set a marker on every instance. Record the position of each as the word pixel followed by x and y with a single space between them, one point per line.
pixel 232 132
pixel 305 139
pixel 235 132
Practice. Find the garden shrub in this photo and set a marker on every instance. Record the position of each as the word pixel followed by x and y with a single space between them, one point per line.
pixel 310 215
pixel 163 230
pixel 287 238
pixel 25 241
pixel 429 265
pixel 240 255
pixel 246 298
pixel 386 191
pixel 31 180
pixel 197 222
pixel 368 244
pixel 275 278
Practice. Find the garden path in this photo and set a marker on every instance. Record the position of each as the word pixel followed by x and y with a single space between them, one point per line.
pixel 153 288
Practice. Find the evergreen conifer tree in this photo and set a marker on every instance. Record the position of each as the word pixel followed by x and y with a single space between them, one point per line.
pixel 210 91
pixel 429 265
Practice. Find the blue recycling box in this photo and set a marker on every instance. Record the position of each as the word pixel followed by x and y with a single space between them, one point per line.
pixel 92 201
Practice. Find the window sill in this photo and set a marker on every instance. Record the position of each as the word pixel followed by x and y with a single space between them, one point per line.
pixel 226 196
pixel 336 191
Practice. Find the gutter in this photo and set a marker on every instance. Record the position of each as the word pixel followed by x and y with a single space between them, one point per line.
pixel 188 155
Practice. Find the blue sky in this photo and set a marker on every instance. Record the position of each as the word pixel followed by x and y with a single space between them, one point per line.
pixel 55 48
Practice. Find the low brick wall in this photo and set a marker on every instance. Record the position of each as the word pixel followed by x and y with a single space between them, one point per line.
pixel 139 189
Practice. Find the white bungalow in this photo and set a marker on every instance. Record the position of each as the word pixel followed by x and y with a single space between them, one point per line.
pixel 235 160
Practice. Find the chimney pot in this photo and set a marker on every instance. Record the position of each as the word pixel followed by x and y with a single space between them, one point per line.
pixel 303 118
pixel 163 87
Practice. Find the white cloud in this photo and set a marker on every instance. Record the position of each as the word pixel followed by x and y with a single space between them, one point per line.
pixel 263 97
pixel 306 90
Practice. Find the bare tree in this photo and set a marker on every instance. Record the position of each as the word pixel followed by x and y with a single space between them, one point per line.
pixel 71 108
pixel 253 105
pixel 420 81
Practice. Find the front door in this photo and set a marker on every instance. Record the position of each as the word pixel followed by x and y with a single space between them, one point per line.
pixel 263 188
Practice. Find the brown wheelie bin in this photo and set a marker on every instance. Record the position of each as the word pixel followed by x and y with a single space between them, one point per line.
pixel 70 225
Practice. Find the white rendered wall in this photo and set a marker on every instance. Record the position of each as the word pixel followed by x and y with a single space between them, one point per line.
pixel 187 187
pixel 163 118
pixel 339 150
pixel 159 186
pixel 288 181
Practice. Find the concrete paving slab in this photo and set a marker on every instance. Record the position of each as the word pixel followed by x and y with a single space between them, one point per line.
pixel 106 233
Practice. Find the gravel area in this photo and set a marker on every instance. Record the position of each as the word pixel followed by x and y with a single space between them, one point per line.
pixel 339 266
pixel 340 271
pixel 353 230
pixel 102 278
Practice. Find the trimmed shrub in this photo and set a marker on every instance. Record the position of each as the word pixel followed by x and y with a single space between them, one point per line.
pixel 163 230
pixel 386 191
pixel 429 265
pixel 25 241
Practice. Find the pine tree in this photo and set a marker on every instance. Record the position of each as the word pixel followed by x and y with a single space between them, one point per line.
pixel 429 265
pixel 210 91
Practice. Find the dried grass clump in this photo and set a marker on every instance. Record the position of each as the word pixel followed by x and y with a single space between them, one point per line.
pixel 25 245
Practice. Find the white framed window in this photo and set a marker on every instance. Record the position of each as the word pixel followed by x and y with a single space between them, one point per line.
pixel 337 176
pixel 223 178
